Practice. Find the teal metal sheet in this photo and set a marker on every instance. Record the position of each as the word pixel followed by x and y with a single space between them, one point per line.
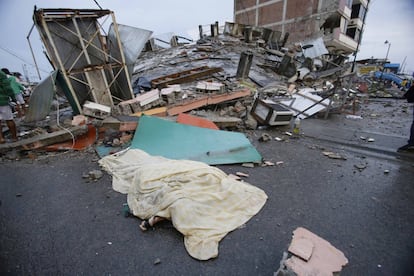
pixel 178 141
pixel 41 99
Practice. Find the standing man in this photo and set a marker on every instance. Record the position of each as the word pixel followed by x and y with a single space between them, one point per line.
pixel 18 89
pixel 6 92
pixel 409 95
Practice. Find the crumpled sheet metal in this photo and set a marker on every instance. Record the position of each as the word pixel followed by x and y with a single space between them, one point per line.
pixel 203 202
pixel 41 99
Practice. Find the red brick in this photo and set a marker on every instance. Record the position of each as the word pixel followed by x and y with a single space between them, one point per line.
pixel 300 30
pixel 271 13
pixel 244 4
pixel 248 18
pixel 299 8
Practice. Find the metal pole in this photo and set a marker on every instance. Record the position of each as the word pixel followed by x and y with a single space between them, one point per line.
pixel 31 50
pixel 386 57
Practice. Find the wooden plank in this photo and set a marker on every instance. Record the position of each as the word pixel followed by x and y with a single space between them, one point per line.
pixel 46 139
pixel 207 100
pixel 184 76
pixel 159 111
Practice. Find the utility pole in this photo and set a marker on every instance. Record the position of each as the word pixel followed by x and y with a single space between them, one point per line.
pixel 386 57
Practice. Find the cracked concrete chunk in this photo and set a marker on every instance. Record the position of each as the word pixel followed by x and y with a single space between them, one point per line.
pixel 324 259
pixel 265 137
pixel 333 155
pixel 241 174
pixel 95 174
pixel 302 248
pixel 360 166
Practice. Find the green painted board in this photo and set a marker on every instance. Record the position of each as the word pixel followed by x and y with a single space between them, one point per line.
pixel 172 140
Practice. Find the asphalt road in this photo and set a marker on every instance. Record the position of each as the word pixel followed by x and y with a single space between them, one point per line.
pixel 54 222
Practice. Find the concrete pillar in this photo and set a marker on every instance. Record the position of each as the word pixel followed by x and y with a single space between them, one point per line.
pixel 245 63
pixel 174 41
pixel 248 34
pixel 266 34
pixel 200 31
pixel 214 29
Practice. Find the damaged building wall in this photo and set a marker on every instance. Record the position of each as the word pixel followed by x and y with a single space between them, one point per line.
pixel 304 19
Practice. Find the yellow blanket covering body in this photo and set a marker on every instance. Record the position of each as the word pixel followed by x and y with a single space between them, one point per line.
pixel 203 202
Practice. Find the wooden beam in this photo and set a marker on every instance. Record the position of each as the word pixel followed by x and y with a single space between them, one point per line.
pixel 46 139
pixel 184 76
pixel 207 100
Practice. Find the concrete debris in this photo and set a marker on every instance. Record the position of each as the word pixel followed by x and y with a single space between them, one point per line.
pixel 157 261
pixel 353 117
pixel 360 167
pixel 241 174
pixel 235 177
pixel 268 163
pixel 248 165
pixel 95 174
pixel 333 155
pixel 311 255
pixel 265 137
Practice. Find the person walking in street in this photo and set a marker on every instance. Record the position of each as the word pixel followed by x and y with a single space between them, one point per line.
pixel 18 89
pixel 409 95
pixel 6 92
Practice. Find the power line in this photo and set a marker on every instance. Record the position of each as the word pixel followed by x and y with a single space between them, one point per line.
pixel 22 59
pixel 96 2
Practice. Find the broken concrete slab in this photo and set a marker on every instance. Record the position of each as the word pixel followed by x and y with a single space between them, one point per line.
pixel 302 248
pixel 96 110
pixel 206 86
pixel 315 256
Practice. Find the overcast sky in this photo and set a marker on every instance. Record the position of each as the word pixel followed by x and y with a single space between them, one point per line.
pixel 386 20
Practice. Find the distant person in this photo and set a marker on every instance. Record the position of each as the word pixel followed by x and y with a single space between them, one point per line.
pixel 6 92
pixel 409 95
pixel 18 89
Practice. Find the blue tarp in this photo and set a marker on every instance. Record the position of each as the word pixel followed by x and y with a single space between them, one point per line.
pixel 392 65
pixel 388 76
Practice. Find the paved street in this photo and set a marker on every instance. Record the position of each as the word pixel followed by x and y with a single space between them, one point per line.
pixel 54 222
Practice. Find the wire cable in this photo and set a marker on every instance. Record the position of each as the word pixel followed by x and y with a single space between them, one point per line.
pixel 96 2
pixel 58 117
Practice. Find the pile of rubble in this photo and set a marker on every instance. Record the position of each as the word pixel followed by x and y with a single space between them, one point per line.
pixel 238 79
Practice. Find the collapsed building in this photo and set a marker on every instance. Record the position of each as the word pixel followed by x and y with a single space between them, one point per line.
pixel 237 76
